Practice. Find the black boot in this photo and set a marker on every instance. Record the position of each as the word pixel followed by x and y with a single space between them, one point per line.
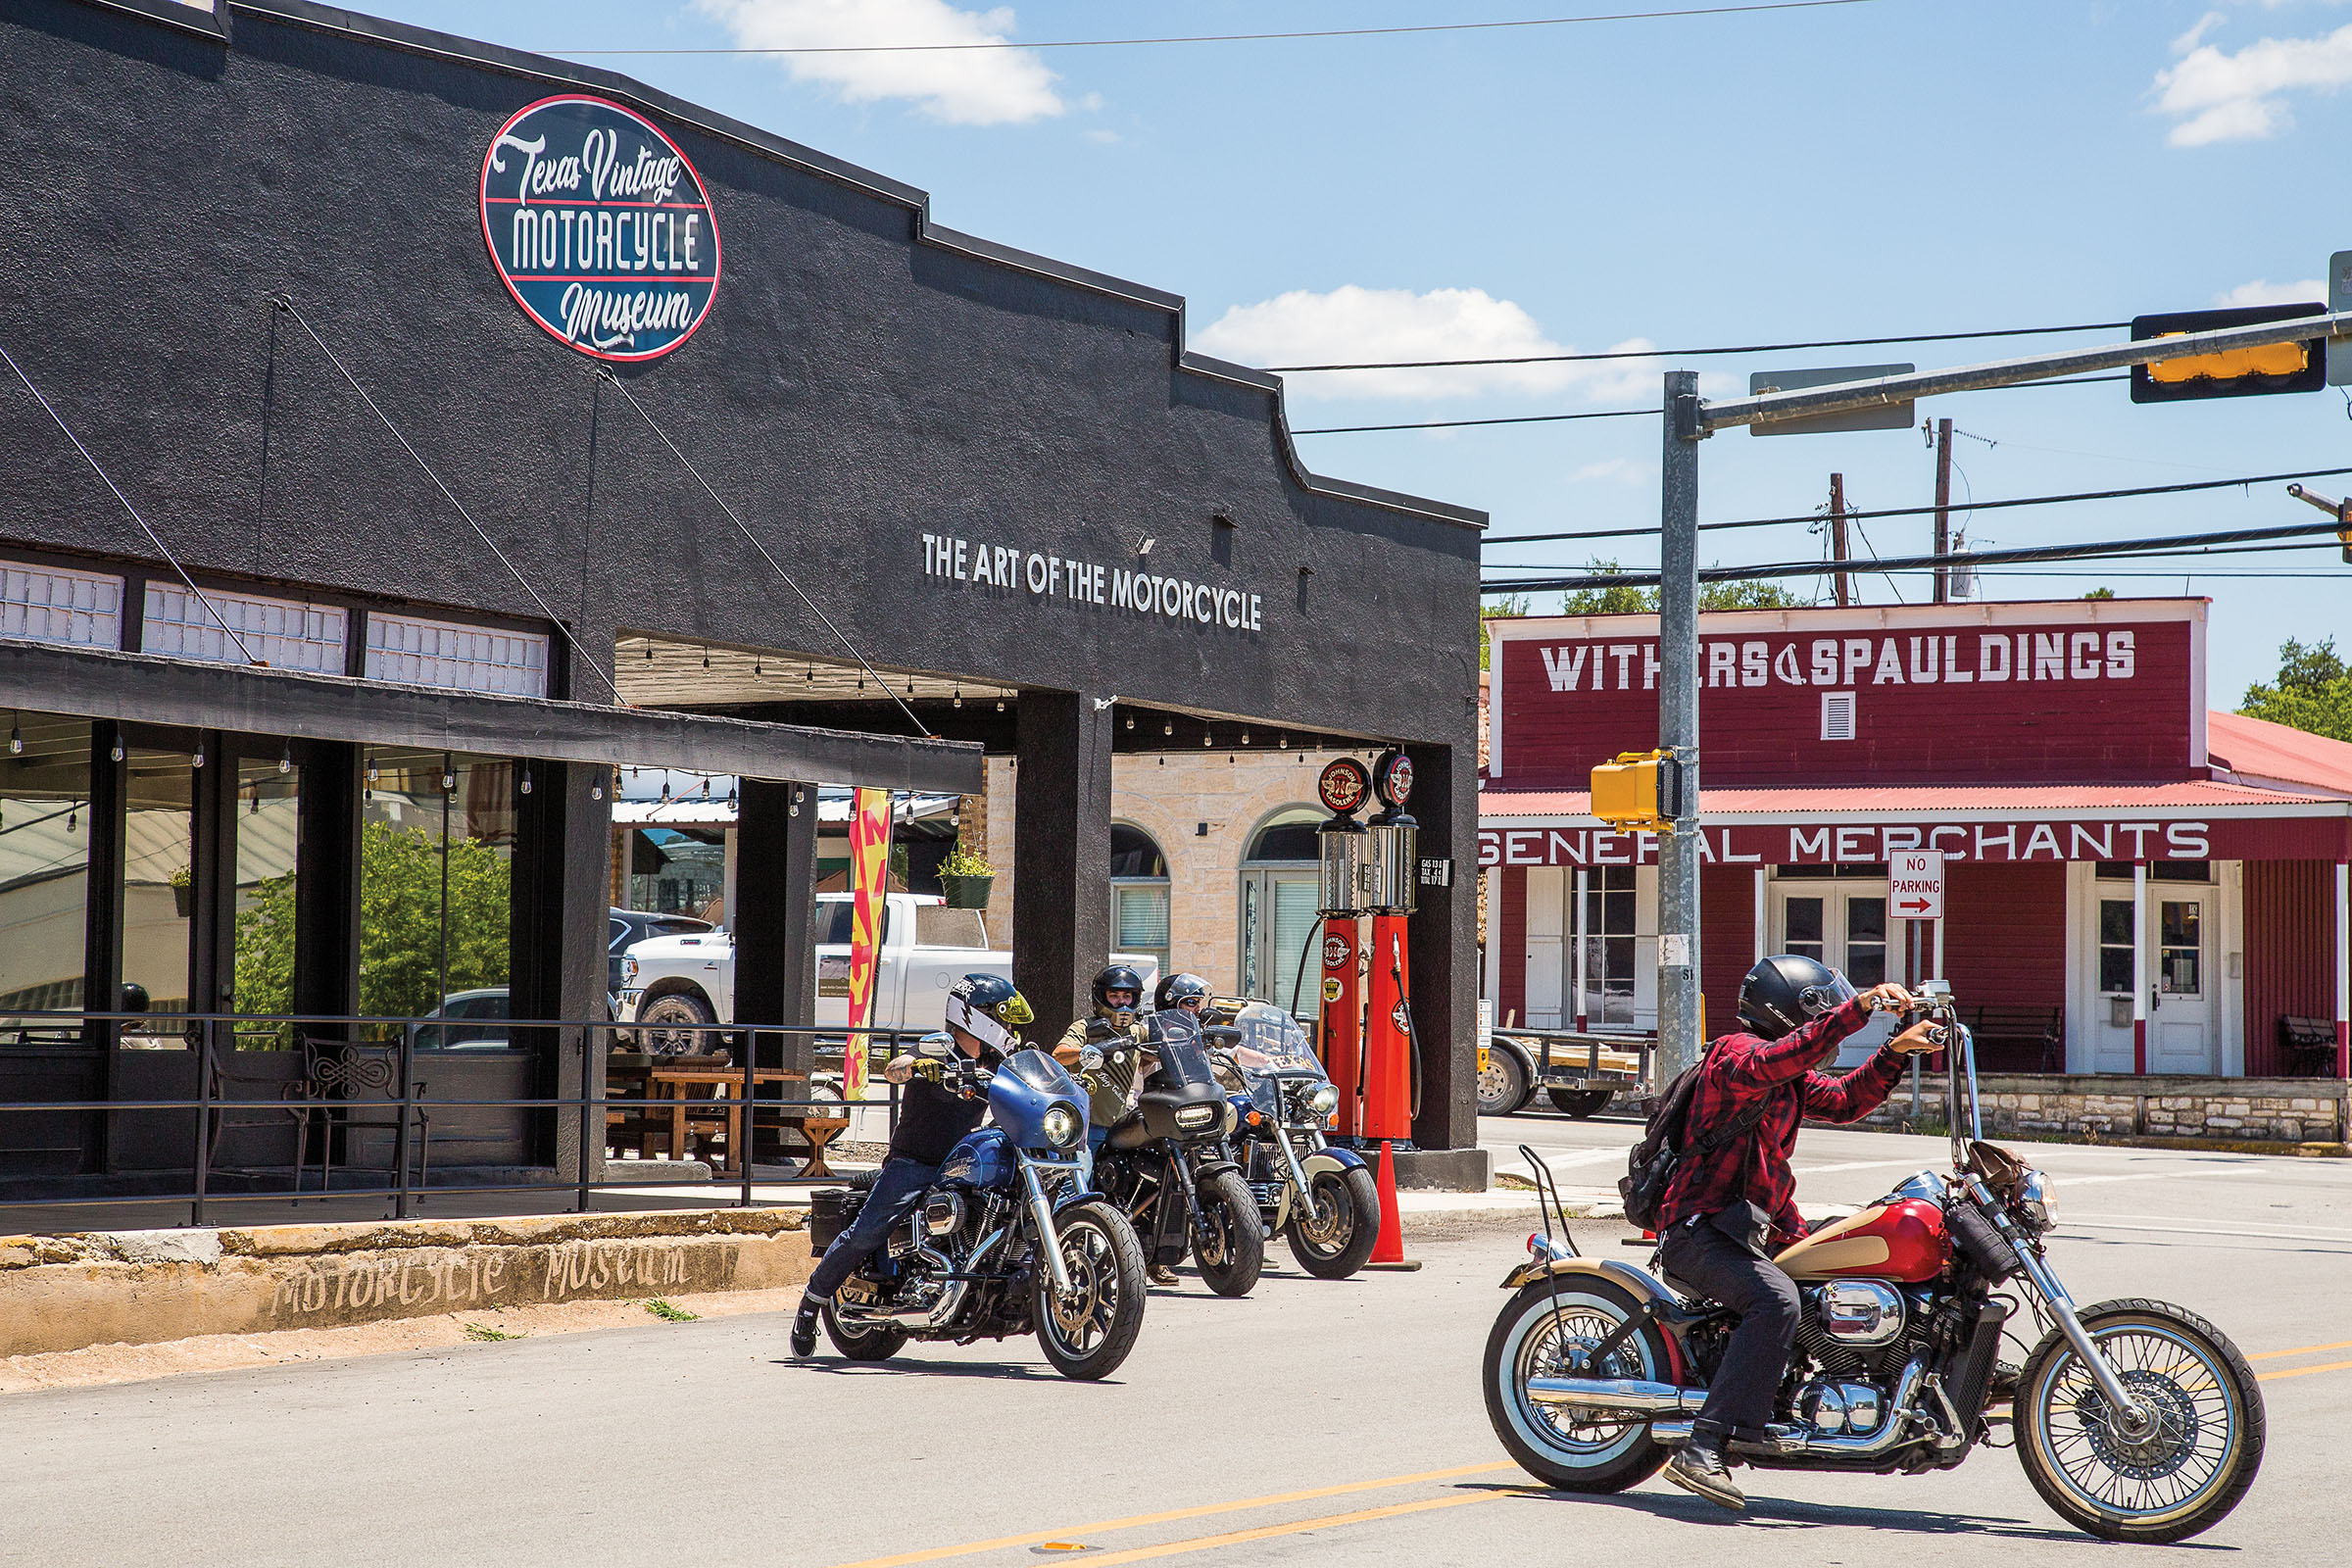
pixel 1700 1468
pixel 804 1327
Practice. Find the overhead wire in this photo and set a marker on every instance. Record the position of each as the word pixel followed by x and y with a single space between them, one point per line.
pixel 285 303
pixel 1229 37
pixel 153 537
pixel 1707 353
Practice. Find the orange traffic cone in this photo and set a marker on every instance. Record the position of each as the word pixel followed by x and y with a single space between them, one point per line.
pixel 1389 1251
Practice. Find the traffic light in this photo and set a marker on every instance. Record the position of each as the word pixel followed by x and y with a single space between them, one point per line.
pixel 2236 373
pixel 2344 515
pixel 1641 791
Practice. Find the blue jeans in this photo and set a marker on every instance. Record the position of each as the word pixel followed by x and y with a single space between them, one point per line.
pixel 897 1188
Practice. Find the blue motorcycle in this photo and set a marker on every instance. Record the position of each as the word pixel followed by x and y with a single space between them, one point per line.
pixel 1011 1239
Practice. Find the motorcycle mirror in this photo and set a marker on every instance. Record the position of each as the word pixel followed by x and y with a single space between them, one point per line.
pixel 1088 1058
pixel 936 1046
pixel 1942 990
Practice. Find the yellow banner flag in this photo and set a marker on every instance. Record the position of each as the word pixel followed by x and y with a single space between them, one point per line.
pixel 869 877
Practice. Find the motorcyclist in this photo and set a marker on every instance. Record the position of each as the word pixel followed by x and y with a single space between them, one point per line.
pixel 939 1107
pixel 1728 1208
pixel 1110 1084
pixel 1181 990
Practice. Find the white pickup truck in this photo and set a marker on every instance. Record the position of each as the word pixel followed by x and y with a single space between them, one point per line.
pixel 671 984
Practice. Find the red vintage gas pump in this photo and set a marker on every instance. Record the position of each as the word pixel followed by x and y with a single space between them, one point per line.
pixel 1345 786
pixel 1392 882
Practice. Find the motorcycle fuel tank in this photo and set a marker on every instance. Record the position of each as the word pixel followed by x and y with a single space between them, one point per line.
pixel 983 1160
pixel 1902 1240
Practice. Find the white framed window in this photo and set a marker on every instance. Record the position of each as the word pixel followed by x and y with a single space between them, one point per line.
pixel 416 652
pixel 1139 895
pixel 57 604
pixel 283 633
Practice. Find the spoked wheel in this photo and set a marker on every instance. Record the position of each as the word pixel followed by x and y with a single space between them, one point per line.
pixel 1230 1247
pixel 1337 1241
pixel 1089 1331
pixel 862 1342
pixel 2177 1470
pixel 1533 1339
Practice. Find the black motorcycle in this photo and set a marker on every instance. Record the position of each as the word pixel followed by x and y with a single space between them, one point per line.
pixel 1169 1167
pixel 1322 1198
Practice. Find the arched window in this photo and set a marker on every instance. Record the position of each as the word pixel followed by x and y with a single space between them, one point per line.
pixel 1278 897
pixel 1139 894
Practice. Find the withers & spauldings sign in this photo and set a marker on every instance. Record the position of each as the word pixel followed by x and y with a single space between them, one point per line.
pixel 600 228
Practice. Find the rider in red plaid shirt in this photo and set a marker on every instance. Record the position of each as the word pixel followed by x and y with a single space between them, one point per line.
pixel 1729 1208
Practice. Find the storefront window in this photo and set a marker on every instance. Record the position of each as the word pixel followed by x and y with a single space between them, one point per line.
pixel 678 870
pixel 1139 895
pixel 1610 925
pixel 1803 923
pixel 1866 942
pixel 2179 948
pixel 44 861
pixel 267 824
pixel 159 888
pixel 436 885
pixel 1279 896
pixel 2115 947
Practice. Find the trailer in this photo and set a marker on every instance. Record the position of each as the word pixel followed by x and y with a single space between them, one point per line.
pixel 1581 1070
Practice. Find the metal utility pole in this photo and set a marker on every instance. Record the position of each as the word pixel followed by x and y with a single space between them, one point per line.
pixel 1679 1021
pixel 1838 536
pixel 1943 507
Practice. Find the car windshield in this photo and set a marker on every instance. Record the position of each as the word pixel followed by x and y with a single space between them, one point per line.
pixel 1175 1038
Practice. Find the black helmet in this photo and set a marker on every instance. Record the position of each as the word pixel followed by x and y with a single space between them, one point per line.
pixel 987 1008
pixel 1783 993
pixel 1177 989
pixel 1117 977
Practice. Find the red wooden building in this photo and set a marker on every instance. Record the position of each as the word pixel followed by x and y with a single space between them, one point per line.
pixel 2162 886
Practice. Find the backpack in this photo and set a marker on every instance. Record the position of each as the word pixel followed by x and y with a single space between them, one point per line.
pixel 1650 1168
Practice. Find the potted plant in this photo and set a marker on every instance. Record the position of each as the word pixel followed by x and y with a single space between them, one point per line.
pixel 183 892
pixel 964 878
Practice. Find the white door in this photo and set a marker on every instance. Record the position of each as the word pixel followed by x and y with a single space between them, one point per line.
pixel 1546 950
pixel 1842 922
pixel 2183 1014
pixel 2110 1032
pixel 1278 916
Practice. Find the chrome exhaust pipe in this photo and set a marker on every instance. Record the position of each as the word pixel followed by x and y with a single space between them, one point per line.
pixel 1597 1394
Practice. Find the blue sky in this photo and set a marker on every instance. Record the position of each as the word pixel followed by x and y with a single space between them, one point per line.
pixel 1854 171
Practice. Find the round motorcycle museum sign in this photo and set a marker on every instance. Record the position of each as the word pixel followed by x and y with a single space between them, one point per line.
pixel 600 228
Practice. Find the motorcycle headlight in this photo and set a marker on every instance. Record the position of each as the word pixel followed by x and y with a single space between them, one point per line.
pixel 1063 1128
pixel 1192 1119
pixel 1323 1100
pixel 2035 1205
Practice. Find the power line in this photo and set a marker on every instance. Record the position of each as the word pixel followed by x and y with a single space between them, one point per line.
pixel 1229 37
pixel 1915 512
pixel 2175 544
pixel 1693 354
pixel 1632 413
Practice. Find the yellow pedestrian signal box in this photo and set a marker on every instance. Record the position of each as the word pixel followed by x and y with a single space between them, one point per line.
pixel 1640 790
pixel 2237 372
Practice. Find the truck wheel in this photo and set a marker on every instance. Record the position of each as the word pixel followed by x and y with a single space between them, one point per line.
pixel 678 1023
pixel 1504 1086
pixel 1581 1103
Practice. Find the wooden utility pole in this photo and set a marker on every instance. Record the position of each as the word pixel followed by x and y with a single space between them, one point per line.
pixel 1944 509
pixel 1838 536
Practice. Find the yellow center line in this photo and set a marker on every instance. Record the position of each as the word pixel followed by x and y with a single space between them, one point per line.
pixel 1171 1516
pixel 2301 1350
pixel 1299 1527
pixel 2300 1371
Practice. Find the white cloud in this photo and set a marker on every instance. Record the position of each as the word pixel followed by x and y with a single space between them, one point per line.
pixel 2261 291
pixel 960 86
pixel 1617 469
pixel 1355 324
pixel 2218 96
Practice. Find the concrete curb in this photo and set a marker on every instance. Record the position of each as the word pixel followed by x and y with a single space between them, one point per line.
pixel 64 1293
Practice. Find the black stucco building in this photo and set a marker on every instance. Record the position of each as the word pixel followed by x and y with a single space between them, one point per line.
pixel 271 266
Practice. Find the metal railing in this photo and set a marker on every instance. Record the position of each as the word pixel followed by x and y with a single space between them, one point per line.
pixel 331 1054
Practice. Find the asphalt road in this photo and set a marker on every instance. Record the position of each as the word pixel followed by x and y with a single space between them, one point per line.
pixel 1314 1423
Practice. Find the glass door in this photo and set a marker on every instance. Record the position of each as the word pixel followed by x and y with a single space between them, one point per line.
pixel 2182 1010
pixel 1278 916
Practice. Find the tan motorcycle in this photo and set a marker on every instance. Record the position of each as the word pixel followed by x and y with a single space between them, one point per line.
pixel 2136 1420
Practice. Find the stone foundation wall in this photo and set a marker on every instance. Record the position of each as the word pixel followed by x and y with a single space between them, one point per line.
pixel 2280 1110
pixel 63 1292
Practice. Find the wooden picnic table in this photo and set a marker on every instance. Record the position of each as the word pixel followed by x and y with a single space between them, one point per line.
pixel 672 1084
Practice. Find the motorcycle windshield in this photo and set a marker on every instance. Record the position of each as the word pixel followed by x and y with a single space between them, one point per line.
pixel 1273 1046
pixel 1175 1039
pixel 1043 1073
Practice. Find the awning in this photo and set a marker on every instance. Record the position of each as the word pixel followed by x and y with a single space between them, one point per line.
pixel 143 688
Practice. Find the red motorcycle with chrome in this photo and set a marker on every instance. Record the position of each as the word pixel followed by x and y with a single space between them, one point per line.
pixel 2136 1420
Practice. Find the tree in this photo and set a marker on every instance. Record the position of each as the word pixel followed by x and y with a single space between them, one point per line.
pixel 1757 592
pixel 2100 593
pixel 2313 692
pixel 1751 593
pixel 1507 604
pixel 400 926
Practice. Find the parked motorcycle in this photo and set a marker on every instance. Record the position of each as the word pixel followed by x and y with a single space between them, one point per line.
pixel 1168 1166
pixel 2136 1420
pixel 1322 1199
pixel 1009 1240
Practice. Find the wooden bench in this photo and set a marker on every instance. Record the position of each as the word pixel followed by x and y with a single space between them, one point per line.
pixel 2308 1046
pixel 2029 1039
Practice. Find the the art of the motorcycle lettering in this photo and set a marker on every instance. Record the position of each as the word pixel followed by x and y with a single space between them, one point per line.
pixel 869 864
pixel 600 228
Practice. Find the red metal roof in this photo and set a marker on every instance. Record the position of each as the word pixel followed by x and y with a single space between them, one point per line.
pixel 2256 750
pixel 1847 801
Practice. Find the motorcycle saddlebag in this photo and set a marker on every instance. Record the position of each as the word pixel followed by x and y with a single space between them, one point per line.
pixel 830 1210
